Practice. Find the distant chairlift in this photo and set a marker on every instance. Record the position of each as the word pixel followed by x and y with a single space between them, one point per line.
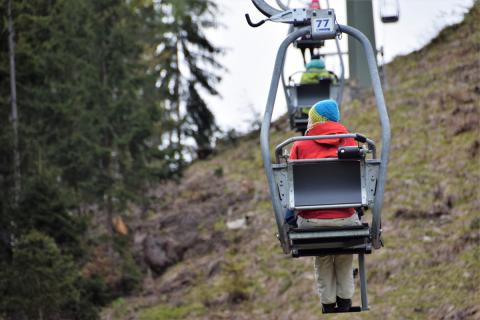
pixel 389 11
pixel 299 97
pixel 302 96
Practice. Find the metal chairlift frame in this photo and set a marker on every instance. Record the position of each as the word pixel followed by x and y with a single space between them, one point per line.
pixel 284 233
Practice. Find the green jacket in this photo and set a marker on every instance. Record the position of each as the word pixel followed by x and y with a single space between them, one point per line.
pixel 313 75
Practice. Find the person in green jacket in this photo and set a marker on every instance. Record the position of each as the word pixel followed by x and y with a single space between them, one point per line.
pixel 316 71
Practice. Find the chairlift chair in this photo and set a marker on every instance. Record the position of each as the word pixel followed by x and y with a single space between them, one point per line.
pixel 308 184
pixel 389 11
pixel 302 96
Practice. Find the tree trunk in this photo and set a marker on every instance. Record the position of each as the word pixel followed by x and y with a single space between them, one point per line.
pixel 176 94
pixel 14 116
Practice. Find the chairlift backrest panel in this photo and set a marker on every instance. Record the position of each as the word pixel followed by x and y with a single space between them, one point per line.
pixel 326 183
pixel 309 94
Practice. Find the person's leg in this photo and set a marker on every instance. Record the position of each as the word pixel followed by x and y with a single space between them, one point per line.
pixel 343 265
pixel 325 276
pixel 344 275
pixel 324 270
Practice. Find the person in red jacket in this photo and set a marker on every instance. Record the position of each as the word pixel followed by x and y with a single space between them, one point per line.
pixel 333 273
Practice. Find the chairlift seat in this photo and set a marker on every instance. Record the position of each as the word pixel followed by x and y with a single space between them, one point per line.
pixel 326 184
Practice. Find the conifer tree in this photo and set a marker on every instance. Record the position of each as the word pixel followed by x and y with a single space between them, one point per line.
pixel 41 279
pixel 185 60
pixel 13 101
pixel 95 107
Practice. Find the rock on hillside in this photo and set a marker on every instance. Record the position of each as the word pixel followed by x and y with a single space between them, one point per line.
pixel 429 269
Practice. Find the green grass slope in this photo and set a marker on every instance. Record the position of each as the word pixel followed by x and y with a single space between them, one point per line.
pixel 429 268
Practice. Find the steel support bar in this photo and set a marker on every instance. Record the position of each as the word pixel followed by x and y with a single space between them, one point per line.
pixel 282 5
pixel 363 282
pixel 342 75
pixel 386 134
pixel 264 134
pixel 265 8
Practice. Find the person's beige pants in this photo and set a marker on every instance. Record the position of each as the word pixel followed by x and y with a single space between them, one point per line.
pixel 334 274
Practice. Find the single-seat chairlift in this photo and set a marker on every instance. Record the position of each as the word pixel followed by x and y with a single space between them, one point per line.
pixel 301 96
pixel 356 179
pixel 389 11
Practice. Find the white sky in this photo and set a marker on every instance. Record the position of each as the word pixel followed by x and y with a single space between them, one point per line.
pixel 251 52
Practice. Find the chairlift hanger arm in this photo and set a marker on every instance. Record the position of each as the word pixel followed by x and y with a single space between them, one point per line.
pixel 299 17
pixel 282 5
pixel 265 8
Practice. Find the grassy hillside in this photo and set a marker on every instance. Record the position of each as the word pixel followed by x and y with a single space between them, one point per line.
pixel 429 268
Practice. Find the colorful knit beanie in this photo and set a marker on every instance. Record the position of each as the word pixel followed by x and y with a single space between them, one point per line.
pixel 315 64
pixel 322 111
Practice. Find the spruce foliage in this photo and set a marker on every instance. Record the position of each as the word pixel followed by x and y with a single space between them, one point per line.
pixel 187 65
pixel 41 280
pixel 105 107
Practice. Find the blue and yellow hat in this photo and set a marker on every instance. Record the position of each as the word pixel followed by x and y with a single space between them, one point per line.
pixel 322 111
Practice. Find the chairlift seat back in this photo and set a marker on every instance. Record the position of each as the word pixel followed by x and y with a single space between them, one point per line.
pixel 307 95
pixel 327 183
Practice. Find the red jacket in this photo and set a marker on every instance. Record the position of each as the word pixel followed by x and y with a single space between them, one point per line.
pixel 327 148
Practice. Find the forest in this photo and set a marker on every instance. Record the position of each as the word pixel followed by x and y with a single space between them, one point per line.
pixel 121 197
pixel 99 100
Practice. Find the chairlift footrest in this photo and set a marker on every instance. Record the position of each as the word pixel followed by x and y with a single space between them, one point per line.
pixel 352 309
pixel 363 226
pixel 330 241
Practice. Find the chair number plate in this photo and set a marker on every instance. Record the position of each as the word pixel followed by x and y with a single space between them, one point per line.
pixel 323 25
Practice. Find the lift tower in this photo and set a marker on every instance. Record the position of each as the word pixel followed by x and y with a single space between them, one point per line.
pixel 360 16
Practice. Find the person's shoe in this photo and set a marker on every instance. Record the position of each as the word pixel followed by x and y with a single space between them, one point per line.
pixel 344 304
pixel 328 307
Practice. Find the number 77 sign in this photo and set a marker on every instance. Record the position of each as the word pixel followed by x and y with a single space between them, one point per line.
pixel 322 25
